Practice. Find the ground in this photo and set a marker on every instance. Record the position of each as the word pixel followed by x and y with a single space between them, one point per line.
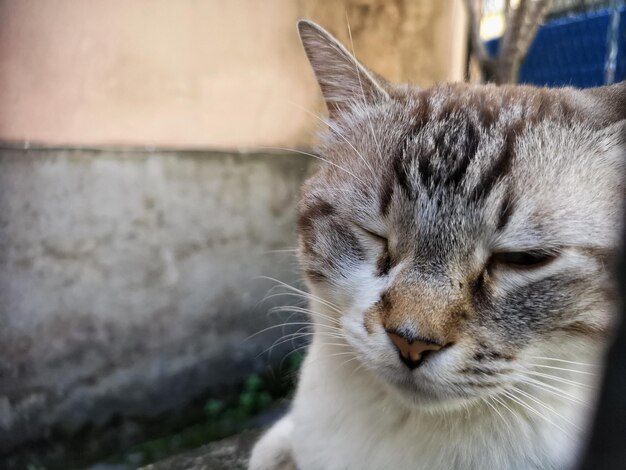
pixel 228 454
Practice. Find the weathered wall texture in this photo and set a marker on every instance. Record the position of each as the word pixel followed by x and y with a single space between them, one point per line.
pixel 129 281
pixel 191 73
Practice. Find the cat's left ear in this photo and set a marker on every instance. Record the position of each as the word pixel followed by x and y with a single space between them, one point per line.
pixel 343 80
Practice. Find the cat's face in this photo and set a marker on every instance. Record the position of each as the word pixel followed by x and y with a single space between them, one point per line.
pixel 463 232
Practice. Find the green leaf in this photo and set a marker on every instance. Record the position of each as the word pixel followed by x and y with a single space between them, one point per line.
pixel 247 402
pixel 213 408
pixel 253 383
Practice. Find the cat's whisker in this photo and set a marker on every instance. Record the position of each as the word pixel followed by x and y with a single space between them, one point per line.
pixel 287 338
pixel 528 407
pixel 283 340
pixel 334 325
pixel 343 353
pixel 305 298
pixel 287 308
pixel 547 407
pixel 554 390
pixel 332 330
pixel 300 291
pixel 318 335
pixel 348 361
pixel 358 368
pixel 271 293
pixel 296 350
pixel 319 158
pixel 301 303
pixel 576 371
pixel 494 408
pixel 264 330
pixel 586 364
pixel 502 403
pixel 331 333
pixel 345 345
pixel 559 379
pixel 287 250
pixel 298 334
pixel 297 295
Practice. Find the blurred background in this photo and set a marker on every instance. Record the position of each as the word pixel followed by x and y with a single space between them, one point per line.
pixel 148 190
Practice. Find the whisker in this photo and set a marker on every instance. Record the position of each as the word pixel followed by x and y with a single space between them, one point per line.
pixel 559 379
pixel 300 291
pixel 304 346
pixel 343 353
pixel 494 408
pixel 296 350
pixel 286 339
pixel 285 324
pixel 556 391
pixel 525 405
pixel 347 361
pixel 275 326
pixel 319 158
pixel 503 404
pixel 549 408
pixel 291 250
pixel 565 369
pixel 291 308
pixel 565 361
pixel 360 366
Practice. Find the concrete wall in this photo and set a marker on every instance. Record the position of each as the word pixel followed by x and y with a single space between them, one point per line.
pixel 190 73
pixel 129 280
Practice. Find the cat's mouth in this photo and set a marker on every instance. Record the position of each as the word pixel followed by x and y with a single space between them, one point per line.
pixel 425 394
pixel 432 385
pixel 425 377
pixel 415 387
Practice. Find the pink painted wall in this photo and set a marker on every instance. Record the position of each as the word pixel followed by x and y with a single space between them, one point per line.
pixel 192 73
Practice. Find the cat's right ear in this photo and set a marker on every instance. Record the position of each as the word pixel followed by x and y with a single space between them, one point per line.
pixel 343 80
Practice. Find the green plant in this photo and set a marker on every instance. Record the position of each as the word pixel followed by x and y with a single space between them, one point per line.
pixel 220 417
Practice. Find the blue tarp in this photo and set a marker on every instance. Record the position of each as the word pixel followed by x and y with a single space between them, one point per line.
pixel 572 51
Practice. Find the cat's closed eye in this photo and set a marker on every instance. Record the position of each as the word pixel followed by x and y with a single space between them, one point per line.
pixel 522 259
pixel 372 234
pixel 384 261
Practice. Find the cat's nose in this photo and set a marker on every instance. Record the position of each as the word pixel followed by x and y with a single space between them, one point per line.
pixel 412 350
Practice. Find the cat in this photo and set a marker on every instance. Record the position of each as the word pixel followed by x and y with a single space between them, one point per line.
pixel 457 244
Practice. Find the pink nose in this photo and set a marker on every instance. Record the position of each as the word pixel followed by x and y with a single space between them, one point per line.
pixel 412 352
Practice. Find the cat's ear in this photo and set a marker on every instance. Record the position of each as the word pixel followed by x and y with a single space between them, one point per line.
pixel 343 80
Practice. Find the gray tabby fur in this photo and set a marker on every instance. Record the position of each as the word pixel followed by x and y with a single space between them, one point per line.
pixel 401 230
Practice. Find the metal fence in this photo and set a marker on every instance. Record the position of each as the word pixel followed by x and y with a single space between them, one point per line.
pixel 582 44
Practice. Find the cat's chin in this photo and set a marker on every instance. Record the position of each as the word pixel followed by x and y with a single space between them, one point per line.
pixel 419 396
pixel 427 401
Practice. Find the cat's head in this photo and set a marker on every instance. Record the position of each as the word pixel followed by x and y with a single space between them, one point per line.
pixel 457 234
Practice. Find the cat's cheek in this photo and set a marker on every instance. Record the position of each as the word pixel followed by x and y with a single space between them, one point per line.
pixel 358 289
pixel 356 331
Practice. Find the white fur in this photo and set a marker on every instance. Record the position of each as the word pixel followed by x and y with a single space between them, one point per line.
pixel 273 451
pixel 346 417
